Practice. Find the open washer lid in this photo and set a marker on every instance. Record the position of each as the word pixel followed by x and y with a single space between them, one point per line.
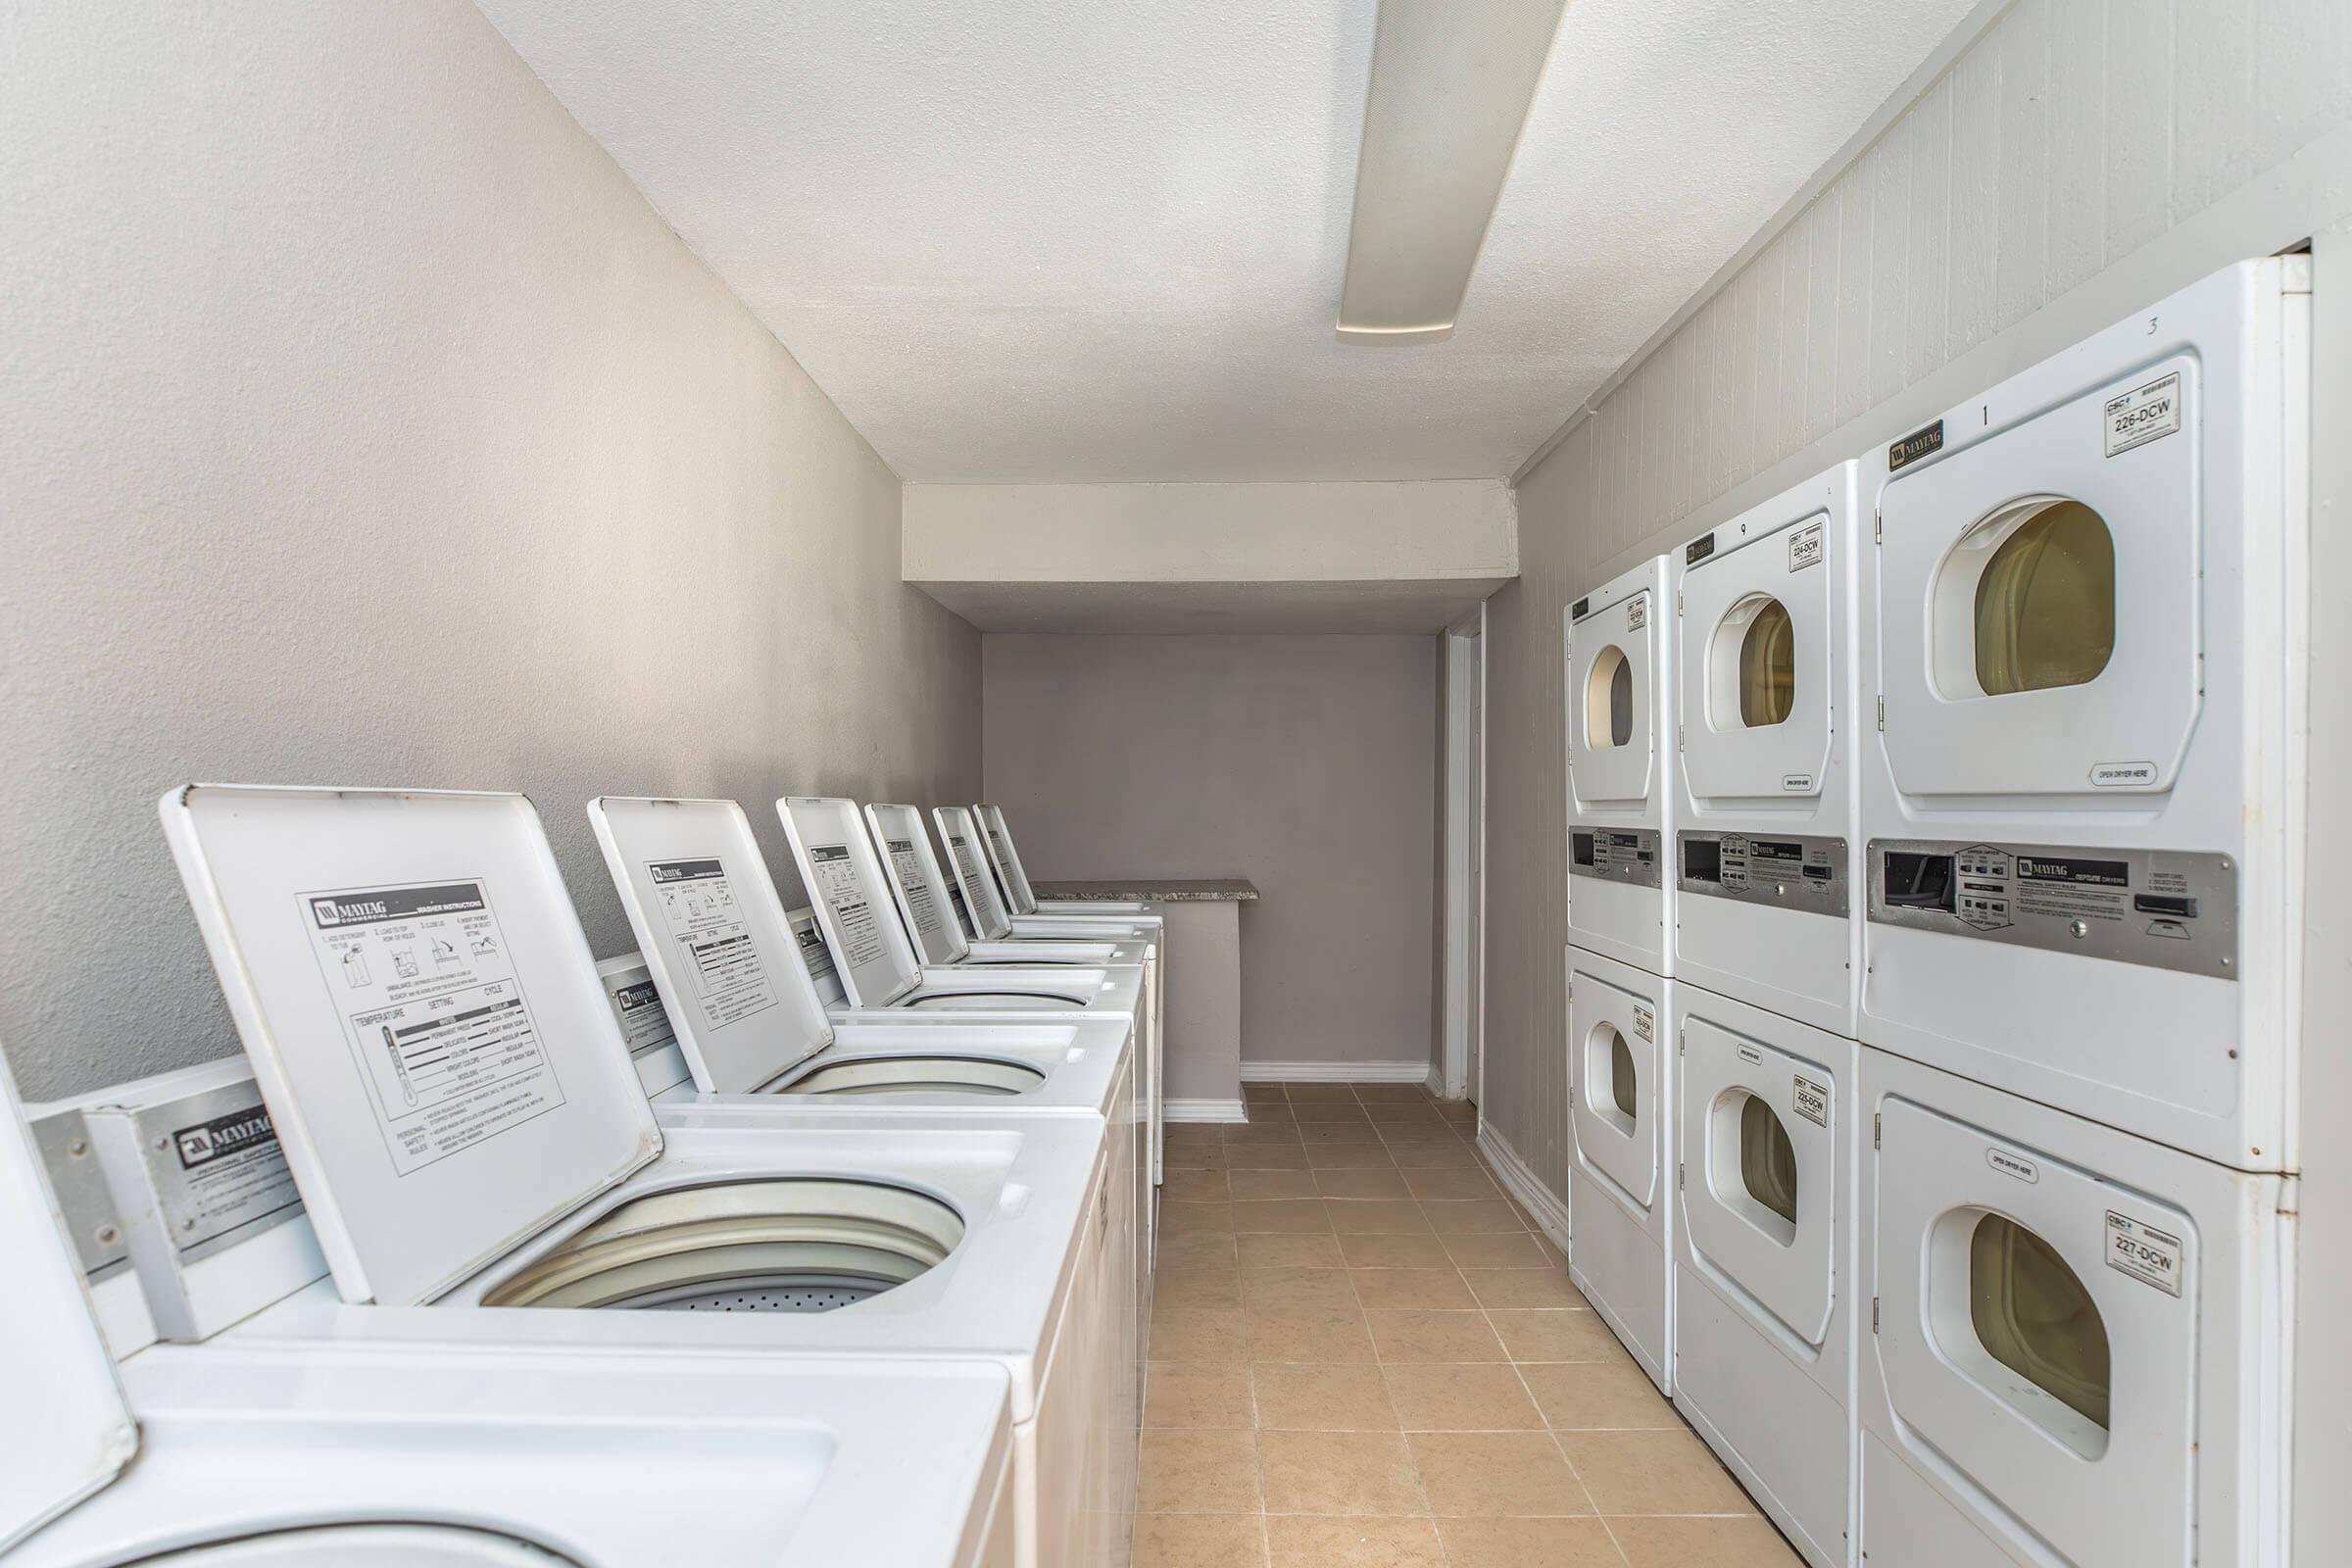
pixel 69 1432
pixel 916 884
pixel 960 831
pixel 423 1016
pixel 847 887
pixel 715 936
pixel 1018 891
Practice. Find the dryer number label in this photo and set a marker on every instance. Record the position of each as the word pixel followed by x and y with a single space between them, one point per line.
pixel 2146 1254
pixel 1804 547
pixel 1636 613
pixel 2143 415
pixel 1645 1022
pixel 432 1012
pixel 1810 1099
pixel 914 884
pixel 838 884
pixel 722 966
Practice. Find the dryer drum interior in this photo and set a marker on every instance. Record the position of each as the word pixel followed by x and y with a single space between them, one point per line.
pixel 786 1245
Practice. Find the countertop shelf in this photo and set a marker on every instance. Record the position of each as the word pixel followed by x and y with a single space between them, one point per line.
pixel 1162 890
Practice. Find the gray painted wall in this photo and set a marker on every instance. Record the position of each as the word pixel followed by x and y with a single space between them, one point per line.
pixel 2078 161
pixel 1307 764
pixel 364 426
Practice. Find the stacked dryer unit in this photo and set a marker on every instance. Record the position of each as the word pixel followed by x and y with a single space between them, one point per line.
pixel 1619 654
pixel 1766 953
pixel 2083 803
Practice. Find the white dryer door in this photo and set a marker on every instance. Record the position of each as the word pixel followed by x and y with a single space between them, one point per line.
pixel 2038 1329
pixel 1613 1041
pixel 1754 668
pixel 2041 619
pixel 1612 755
pixel 1759 1146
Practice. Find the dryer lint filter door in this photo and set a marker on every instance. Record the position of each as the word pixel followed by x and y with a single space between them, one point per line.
pixel 715 936
pixel 1756 666
pixel 67 1432
pixel 1611 665
pixel 1759 1143
pixel 2038 1327
pixel 2041 618
pixel 423 1016
pixel 1613 1035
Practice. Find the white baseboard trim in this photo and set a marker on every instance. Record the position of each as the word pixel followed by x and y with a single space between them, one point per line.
pixel 1550 1211
pixel 1435 1083
pixel 1202 1110
pixel 1334 1072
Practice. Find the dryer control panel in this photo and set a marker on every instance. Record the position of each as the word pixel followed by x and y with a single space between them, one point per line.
pixel 1615 855
pixel 2159 907
pixel 1778 870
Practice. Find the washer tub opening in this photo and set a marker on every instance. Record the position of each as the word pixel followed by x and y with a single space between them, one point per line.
pixel 979 1076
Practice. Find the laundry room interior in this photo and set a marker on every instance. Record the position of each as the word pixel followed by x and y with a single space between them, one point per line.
pixel 1240 784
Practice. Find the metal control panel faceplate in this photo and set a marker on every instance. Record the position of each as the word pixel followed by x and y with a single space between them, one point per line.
pixel 213 1163
pixel 2163 909
pixel 1615 855
pixel 1778 870
pixel 82 1197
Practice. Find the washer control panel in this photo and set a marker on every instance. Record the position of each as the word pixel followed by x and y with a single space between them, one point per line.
pixel 2163 909
pixel 1778 870
pixel 1615 855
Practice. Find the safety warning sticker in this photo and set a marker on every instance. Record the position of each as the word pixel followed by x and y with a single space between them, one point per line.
pixel 914 886
pixel 860 922
pixel 433 1015
pixel 722 967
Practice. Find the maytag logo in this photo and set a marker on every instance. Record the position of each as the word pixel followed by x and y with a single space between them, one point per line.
pixel 1920 443
pixel 333 912
pixel 2017 1166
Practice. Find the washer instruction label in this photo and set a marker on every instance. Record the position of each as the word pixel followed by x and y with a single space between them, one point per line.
pixel 975 877
pixel 432 1012
pixel 1810 1099
pixel 853 910
pixel 914 884
pixel 722 967
pixel 2146 1254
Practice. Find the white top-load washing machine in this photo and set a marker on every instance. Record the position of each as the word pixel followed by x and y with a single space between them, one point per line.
pixel 878 965
pixel 1767 811
pixel 1621 1120
pixel 1004 858
pixel 1764 1249
pixel 2085 793
pixel 991 916
pixel 929 907
pixel 1618 646
pixel 483 1171
pixel 2080 1342
pixel 206 1457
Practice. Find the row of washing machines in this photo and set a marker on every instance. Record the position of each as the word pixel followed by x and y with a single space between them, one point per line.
pixel 1932 998
pixel 807 1239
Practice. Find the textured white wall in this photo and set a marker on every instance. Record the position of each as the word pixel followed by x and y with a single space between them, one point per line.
pixel 364 424
pixel 1307 764
pixel 2081 158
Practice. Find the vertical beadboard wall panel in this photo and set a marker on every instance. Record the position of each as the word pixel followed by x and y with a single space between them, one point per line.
pixel 2071 137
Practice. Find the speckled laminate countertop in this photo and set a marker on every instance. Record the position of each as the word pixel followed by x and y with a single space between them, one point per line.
pixel 1162 890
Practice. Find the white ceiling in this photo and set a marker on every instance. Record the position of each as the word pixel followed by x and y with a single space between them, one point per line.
pixel 1103 240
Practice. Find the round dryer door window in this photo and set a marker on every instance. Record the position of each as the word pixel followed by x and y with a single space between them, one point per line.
pixel 2045 599
pixel 1767 665
pixel 1609 700
pixel 2032 1315
pixel 1767 1160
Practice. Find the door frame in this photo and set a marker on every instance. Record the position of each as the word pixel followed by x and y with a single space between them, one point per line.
pixel 1463 840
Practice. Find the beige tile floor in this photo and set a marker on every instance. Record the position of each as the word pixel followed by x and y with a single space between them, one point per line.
pixel 1365 1355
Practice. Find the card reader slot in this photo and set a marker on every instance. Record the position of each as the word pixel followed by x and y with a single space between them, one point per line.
pixel 1919 881
pixel 2178 908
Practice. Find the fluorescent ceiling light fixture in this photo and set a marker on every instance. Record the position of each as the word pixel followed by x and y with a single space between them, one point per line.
pixel 1452 81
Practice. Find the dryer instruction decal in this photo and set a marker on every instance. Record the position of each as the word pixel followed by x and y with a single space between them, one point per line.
pixel 914 884
pixel 722 966
pixel 432 1012
pixel 2146 1254
pixel 838 885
